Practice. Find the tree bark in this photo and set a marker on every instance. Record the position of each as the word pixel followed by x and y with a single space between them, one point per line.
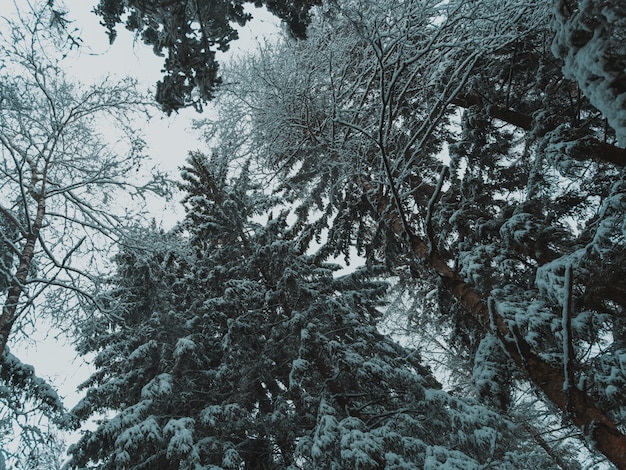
pixel 16 288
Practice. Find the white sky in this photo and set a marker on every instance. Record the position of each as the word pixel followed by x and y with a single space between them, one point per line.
pixel 169 140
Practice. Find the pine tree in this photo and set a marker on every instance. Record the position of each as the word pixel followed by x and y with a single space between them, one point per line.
pixel 228 346
pixel 353 123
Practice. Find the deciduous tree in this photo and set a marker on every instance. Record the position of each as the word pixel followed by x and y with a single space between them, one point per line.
pixel 62 190
pixel 59 178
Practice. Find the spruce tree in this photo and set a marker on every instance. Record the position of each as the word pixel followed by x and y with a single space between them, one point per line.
pixel 227 345
pixel 359 123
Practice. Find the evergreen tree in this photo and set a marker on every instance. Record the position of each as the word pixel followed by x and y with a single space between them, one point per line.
pixel 191 33
pixel 226 345
pixel 353 124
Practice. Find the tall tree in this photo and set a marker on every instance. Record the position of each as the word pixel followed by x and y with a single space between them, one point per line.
pixel 520 225
pixel 233 348
pixel 60 188
pixel 59 178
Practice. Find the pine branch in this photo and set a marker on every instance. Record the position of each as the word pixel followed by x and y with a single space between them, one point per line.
pixel 593 148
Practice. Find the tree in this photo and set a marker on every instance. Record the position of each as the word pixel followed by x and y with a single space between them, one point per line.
pixel 25 398
pixel 352 123
pixel 589 40
pixel 233 348
pixel 61 192
pixel 191 32
pixel 59 178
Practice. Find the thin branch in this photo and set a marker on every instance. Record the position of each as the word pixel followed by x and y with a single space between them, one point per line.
pixel 429 211
pixel 566 326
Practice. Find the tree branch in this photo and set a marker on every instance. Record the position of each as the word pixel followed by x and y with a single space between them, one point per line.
pixel 593 148
pixel 579 406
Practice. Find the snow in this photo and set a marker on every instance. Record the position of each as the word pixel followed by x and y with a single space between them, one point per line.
pixel 358 448
pixel 217 415
pixel 158 387
pixel 485 372
pixel 140 434
pixel 299 370
pixel 440 458
pixel 181 440
pixel 184 346
pixel 486 438
pixel 566 327
pixel 142 351
pixel 231 459
pixel 23 375
pixel 519 228
pixel 326 432
pixel 592 44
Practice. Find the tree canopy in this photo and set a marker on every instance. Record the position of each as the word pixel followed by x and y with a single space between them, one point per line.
pixel 447 141
pixel 190 32
pixel 234 348
pixel 469 153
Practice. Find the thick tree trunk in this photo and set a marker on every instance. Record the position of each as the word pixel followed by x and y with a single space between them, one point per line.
pixel 576 404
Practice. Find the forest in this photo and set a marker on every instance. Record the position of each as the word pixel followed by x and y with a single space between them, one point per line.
pixel 403 245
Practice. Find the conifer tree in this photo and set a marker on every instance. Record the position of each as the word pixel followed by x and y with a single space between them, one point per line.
pixel 228 346
pixel 357 124
pixel 190 33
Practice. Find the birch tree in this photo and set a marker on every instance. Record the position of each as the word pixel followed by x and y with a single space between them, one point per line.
pixel 62 186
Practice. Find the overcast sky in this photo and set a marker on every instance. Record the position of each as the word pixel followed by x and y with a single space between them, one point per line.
pixel 169 138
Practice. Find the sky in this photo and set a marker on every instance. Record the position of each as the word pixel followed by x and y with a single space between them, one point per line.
pixel 169 139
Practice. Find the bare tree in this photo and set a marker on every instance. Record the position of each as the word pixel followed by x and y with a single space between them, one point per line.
pixel 65 192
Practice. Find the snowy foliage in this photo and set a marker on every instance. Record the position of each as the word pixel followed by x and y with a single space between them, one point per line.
pixel 31 413
pixel 591 39
pixel 263 359
pixel 352 124
pixel 231 343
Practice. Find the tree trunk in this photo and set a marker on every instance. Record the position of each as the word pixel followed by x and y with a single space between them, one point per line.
pixel 16 288
pixel 576 404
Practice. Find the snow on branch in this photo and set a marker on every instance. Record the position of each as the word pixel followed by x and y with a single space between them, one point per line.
pixel 590 40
